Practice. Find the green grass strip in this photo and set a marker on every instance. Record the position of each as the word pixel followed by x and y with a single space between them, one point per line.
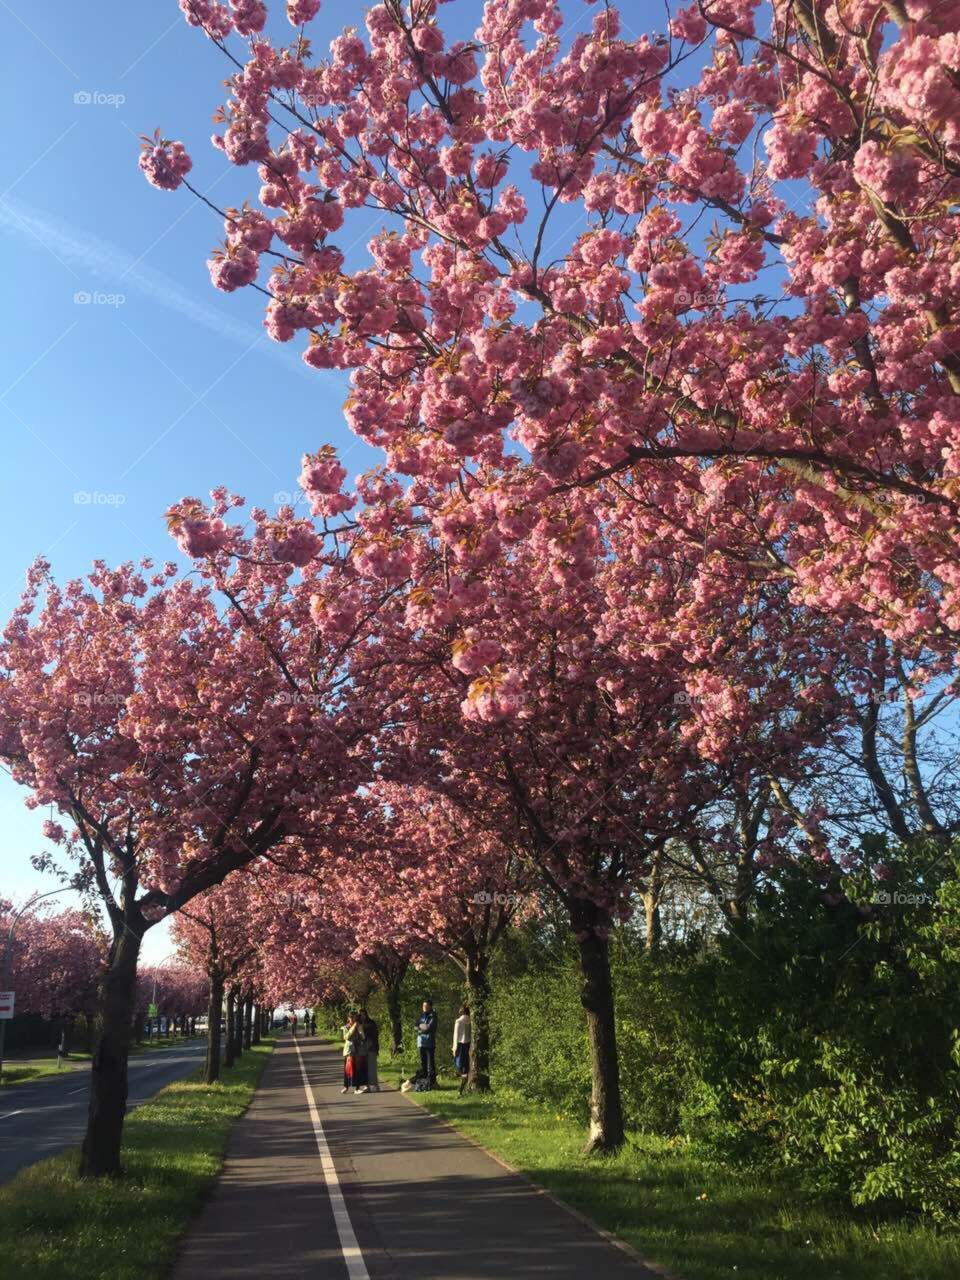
pixel 54 1225
pixel 26 1070
pixel 23 1072
pixel 701 1220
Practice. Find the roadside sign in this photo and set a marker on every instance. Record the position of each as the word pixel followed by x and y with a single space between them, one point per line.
pixel 152 1011
pixel 6 1004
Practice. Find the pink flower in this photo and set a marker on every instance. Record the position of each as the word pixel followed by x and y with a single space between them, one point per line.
pixel 301 11
pixel 791 150
pixel 249 16
pixel 494 697
pixel 474 652
pixel 165 164
pixel 234 269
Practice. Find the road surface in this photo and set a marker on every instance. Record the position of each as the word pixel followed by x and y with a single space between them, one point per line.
pixel 321 1186
pixel 39 1119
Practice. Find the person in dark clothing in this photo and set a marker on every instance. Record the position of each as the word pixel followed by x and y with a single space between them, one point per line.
pixel 371 1035
pixel 426 1029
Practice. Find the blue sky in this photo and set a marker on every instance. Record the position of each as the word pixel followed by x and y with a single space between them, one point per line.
pixel 126 380
pixel 159 386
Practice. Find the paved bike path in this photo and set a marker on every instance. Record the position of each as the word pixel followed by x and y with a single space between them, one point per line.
pixel 414 1200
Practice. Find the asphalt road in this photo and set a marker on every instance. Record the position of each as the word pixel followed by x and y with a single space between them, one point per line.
pixel 39 1119
pixel 322 1186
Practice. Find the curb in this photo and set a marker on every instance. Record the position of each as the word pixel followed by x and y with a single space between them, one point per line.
pixel 582 1218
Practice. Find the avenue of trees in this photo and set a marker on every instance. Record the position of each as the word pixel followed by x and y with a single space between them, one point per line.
pixel 639 648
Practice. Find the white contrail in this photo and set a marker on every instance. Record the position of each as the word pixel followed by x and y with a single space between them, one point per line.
pixel 120 271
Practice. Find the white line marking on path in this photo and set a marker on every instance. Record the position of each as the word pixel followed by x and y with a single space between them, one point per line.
pixel 356 1267
pixel 8 1114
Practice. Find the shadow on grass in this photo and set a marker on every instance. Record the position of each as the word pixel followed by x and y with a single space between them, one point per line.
pixel 55 1225
pixel 702 1220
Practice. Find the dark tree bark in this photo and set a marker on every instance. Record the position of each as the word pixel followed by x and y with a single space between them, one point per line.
pixel 100 1153
pixel 596 996
pixel 248 1020
pixel 237 1023
pixel 229 1053
pixel 478 987
pixel 394 1013
pixel 211 1071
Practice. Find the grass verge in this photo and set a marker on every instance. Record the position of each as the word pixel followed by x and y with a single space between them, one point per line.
pixel 26 1070
pixel 23 1071
pixel 701 1220
pixel 53 1224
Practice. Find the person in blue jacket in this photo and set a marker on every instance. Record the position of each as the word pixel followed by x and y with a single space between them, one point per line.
pixel 426 1029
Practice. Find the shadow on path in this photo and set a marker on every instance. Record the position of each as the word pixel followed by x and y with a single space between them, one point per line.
pixel 424 1203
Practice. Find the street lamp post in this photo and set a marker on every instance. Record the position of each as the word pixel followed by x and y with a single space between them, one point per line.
pixel 8 956
pixel 153 999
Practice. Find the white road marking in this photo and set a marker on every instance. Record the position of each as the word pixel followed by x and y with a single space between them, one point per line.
pixel 8 1114
pixel 356 1267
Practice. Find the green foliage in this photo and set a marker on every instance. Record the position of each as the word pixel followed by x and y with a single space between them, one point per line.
pixel 54 1224
pixel 822 1037
pixel 827 1039
pixel 702 1219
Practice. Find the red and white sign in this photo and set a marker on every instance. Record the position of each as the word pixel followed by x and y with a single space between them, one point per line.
pixel 6 1004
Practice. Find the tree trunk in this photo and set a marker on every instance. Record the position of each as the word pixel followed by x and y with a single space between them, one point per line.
pixel 237 1023
pixel 211 1072
pixel 100 1153
pixel 596 996
pixel 478 986
pixel 247 1020
pixel 394 1013
pixel 651 904
pixel 229 1031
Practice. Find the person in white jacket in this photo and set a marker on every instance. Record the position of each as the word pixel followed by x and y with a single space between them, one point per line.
pixel 461 1041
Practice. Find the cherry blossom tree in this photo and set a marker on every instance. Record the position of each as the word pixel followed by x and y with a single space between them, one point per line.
pixel 708 257
pixel 178 743
pixel 55 962
pixel 657 333
pixel 423 878
pixel 179 990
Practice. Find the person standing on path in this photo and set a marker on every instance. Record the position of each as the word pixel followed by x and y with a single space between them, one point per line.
pixel 293 1023
pixel 371 1035
pixel 461 1044
pixel 354 1056
pixel 427 1043
pixel 348 1030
